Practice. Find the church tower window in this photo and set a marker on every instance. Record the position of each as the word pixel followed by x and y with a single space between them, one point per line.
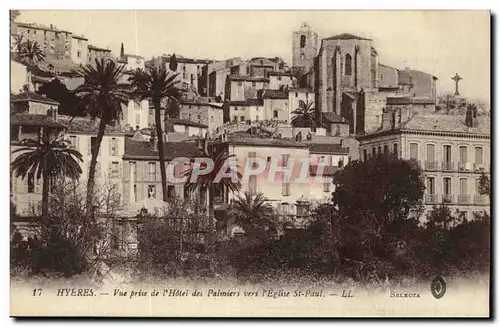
pixel 348 65
pixel 302 41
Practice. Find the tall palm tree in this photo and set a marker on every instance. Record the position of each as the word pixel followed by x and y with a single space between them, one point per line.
pixel 18 42
pixel 48 157
pixel 304 115
pixel 156 85
pixel 30 53
pixel 254 214
pixel 207 183
pixel 101 96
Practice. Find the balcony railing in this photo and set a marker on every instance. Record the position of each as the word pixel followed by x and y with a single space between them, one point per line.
pixel 431 198
pixel 431 165
pixel 463 199
pixel 480 199
pixel 479 167
pixel 447 198
pixel 447 165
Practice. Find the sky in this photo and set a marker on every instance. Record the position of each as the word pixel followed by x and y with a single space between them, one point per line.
pixel 439 42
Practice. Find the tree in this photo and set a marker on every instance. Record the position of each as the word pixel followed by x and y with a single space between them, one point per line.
pixel 46 158
pixel 207 183
pixel 484 185
pixel 30 53
pixel 57 91
pixel 173 63
pixel 255 215
pixel 304 115
pixel 18 42
pixel 101 96
pixel 156 86
pixel 122 52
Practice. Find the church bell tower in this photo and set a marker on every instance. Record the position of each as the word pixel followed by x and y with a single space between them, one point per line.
pixel 305 48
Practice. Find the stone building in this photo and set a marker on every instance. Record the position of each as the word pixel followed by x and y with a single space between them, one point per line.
pixel 51 40
pixel 95 52
pixel 452 150
pixel 202 112
pixel 79 49
pixel 304 49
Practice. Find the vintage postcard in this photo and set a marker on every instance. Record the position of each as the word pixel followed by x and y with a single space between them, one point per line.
pixel 250 163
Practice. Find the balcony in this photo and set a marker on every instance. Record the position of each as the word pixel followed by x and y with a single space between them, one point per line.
pixel 463 199
pixel 431 165
pixel 447 198
pixel 480 199
pixel 431 198
pixel 479 167
pixel 465 166
pixel 447 166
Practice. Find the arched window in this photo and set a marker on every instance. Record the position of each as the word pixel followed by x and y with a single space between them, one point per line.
pixel 348 65
pixel 302 41
pixel 302 56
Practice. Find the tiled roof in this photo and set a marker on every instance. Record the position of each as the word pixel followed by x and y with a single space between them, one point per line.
pixel 247 78
pixel 187 122
pixel 334 118
pixel 32 96
pixel 184 60
pixel 300 90
pixel 327 171
pixel 269 142
pixel 437 124
pixel 346 36
pixel 172 150
pixel 333 148
pixel 274 94
pixel 93 47
pixel 279 74
pixel 409 76
pixel 34 120
pixel 249 102
pixel 409 100
pixel 88 125
pixel 200 102
pixel 41 27
pixel 81 37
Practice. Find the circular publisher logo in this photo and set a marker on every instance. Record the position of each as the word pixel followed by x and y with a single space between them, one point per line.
pixel 438 287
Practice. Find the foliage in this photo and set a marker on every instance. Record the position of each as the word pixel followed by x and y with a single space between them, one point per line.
pixel 68 102
pixel 484 185
pixel 30 53
pixel 173 63
pixel 304 115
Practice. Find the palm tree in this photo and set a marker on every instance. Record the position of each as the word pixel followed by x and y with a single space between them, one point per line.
pixel 30 53
pixel 208 183
pixel 304 115
pixel 18 42
pixel 156 85
pixel 254 214
pixel 101 96
pixel 46 158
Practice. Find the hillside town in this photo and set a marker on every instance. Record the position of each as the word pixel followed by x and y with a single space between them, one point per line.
pixel 334 105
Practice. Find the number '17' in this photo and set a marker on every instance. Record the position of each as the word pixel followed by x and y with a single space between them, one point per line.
pixel 37 292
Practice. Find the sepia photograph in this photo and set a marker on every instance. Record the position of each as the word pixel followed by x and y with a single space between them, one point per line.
pixel 272 164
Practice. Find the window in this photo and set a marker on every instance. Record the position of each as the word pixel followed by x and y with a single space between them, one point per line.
pixel 235 108
pixel 479 155
pixel 184 72
pixel 248 70
pixel 275 113
pixel 113 146
pixel 302 41
pixel 430 186
pixel 395 150
pixel 257 117
pixel 478 185
pixel 285 188
pixel 240 83
pixel 31 183
pixel 192 79
pixel 447 153
pixel 374 152
pixel 171 191
pixel 151 191
pixel 348 65
pixel 463 154
pixel 72 142
pixel 365 155
pixel 379 150
pixel 253 84
pixel 242 118
pixel 284 160
pixel 414 151
pixel 386 149
pixel 430 152
pixel 93 143
pixel 279 78
pixel 296 94
pixel 302 56
pixel 463 186
pixel 114 173
pixel 133 170
pixel 138 118
pixel 78 54
pixel 326 186
pixel 199 117
pixel 262 62
pixel 152 171
pixel 447 185
pixel 135 192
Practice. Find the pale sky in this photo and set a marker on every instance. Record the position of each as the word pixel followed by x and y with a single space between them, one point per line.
pixel 439 42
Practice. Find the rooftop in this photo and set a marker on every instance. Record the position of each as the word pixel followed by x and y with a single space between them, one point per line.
pixel 88 125
pixel 144 150
pixel 247 78
pixel 34 120
pixel 346 36
pixel 327 171
pixel 279 74
pixel 248 102
pixel 274 94
pixel 41 27
pixel 93 47
pixel 330 148
pixel 33 97
pixel 187 122
pixel 333 118
pixel 436 123
pixel 300 90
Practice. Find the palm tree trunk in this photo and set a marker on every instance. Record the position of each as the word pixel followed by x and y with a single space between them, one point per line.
pixel 93 163
pixel 159 133
pixel 45 194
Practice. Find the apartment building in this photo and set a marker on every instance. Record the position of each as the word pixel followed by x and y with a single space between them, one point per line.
pixel 51 40
pixel 452 150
